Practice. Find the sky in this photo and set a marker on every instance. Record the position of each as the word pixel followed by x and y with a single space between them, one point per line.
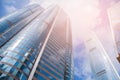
pixel 84 15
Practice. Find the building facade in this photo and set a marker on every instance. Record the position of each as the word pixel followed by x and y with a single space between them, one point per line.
pixel 37 46
pixel 114 18
pixel 101 65
pixel 13 23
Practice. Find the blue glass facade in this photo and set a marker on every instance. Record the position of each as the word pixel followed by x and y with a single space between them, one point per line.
pixel 13 23
pixel 24 40
pixel 56 60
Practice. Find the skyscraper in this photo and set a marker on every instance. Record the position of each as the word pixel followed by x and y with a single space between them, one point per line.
pixel 41 49
pixel 13 23
pixel 114 19
pixel 101 65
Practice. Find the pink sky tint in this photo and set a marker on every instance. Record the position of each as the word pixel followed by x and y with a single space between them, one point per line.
pixel 83 13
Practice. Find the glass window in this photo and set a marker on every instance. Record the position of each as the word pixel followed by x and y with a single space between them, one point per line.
pixel 28 63
pixel 5 77
pixel 4 25
pixel 13 71
pixel 31 58
pixel 18 64
pixel 52 66
pixel 45 73
pixel 21 76
pixel 48 69
pixel 39 77
pixel 5 67
pixel 8 60
pixel 25 69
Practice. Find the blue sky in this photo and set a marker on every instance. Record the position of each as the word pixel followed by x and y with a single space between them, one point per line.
pixel 8 6
pixel 82 16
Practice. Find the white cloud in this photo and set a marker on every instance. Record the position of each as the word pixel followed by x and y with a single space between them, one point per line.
pixel 81 62
pixel 8 6
pixel 44 3
pixel 10 9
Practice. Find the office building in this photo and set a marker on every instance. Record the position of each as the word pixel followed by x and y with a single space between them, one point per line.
pixel 114 18
pixel 101 65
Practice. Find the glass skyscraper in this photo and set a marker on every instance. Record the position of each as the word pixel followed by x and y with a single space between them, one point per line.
pixel 35 44
pixel 114 19
pixel 12 24
pixel 101 65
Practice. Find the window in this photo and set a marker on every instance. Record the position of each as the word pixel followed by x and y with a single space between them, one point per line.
pixel 21 76
pixel 25 69
pixel 39 77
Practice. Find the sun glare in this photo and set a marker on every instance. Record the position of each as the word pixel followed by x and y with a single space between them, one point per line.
pixel 82 13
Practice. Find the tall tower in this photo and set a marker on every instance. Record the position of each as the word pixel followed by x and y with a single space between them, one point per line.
pixel 39 50
pixel 101 65
pixel 114 19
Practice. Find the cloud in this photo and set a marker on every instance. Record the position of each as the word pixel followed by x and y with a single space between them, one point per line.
pixel 44 3
pixel 9 9
pixel 6 7
pixel 9 6
pixel 82 69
